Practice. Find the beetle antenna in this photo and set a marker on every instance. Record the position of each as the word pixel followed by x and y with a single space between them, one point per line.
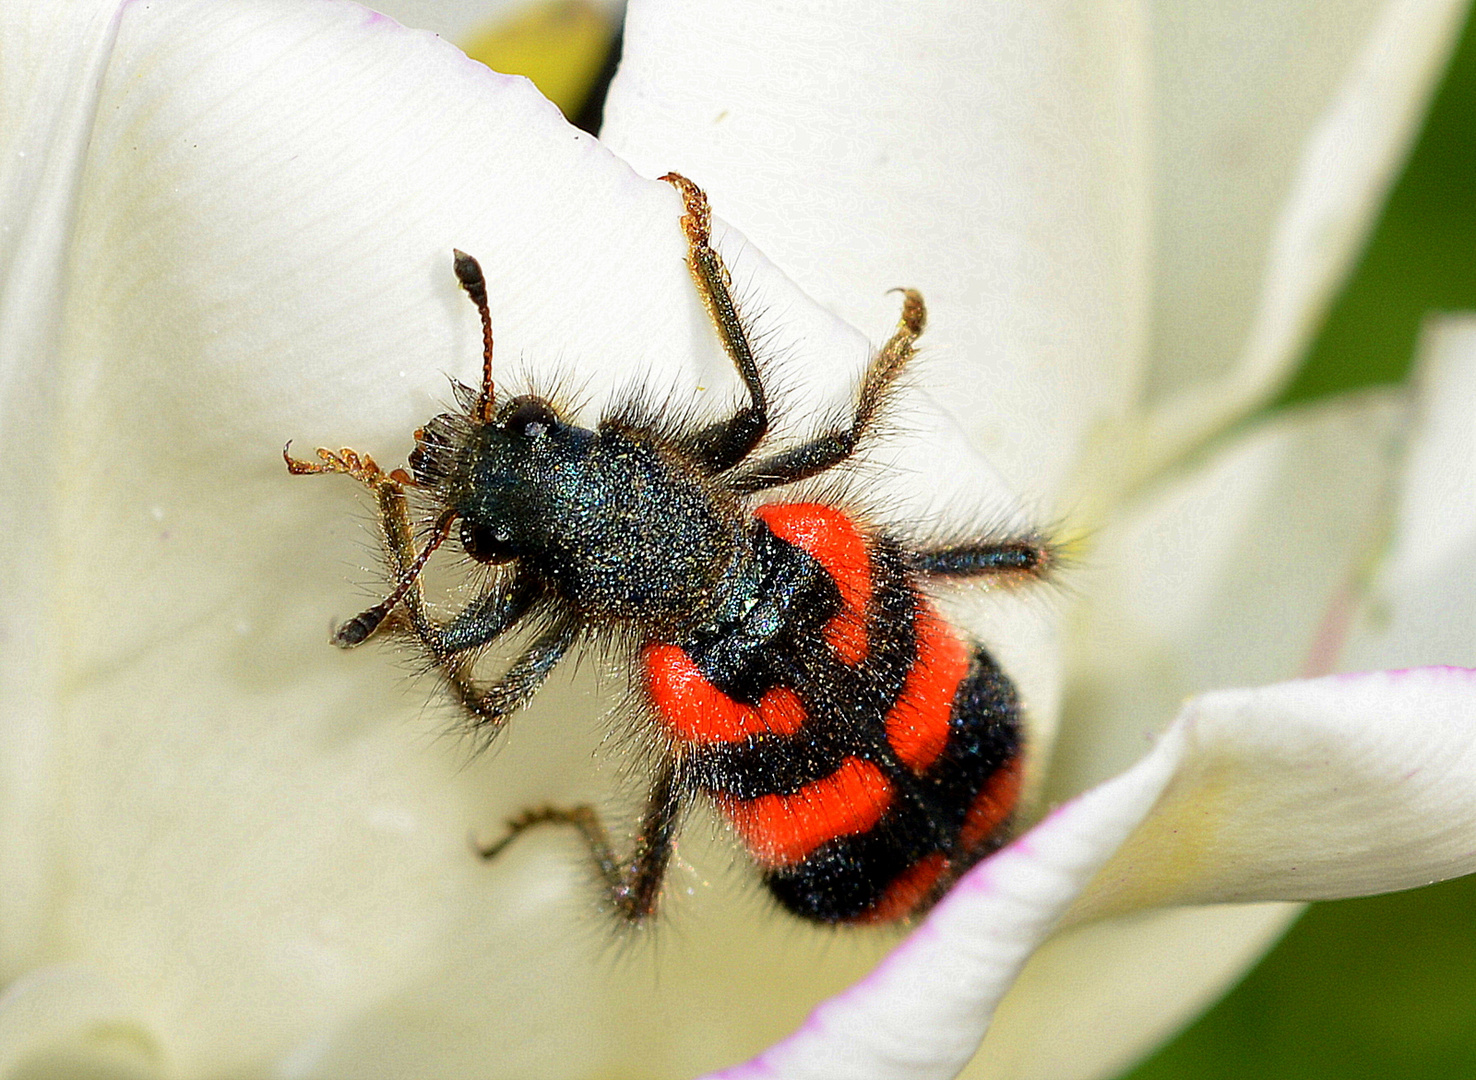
pixel 365 623
pixel 469 273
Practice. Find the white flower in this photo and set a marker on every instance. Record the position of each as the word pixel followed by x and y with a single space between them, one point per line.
pixel 227 848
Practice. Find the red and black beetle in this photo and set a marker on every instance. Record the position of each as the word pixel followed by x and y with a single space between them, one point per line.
pixel 865 751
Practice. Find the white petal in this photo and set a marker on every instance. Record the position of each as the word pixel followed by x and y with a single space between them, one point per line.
pixel 1279 128
pixel 1240 572
pixel 51 60
pixel 991 155
pixel 1422 607
pixel 70 1020
pixel 1097 997
pixel 1340 786
pixel 261 250
pixel 201 786
pixel 1253 153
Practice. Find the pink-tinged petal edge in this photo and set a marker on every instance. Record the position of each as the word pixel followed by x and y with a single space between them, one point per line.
pixel 905 1019
pixel 951 972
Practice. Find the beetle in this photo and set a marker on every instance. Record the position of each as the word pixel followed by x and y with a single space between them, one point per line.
pixel 865 751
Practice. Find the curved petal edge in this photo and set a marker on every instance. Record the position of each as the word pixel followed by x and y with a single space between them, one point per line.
pixel 1312 789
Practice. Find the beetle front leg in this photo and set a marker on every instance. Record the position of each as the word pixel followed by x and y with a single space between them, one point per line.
pixel 489 706
pixel 726 443
pixel 397 534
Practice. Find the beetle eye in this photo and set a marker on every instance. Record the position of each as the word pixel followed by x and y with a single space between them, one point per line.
pixel 531 416
pixel 485 543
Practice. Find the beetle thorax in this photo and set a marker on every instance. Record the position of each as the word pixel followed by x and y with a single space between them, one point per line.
pixel 619 525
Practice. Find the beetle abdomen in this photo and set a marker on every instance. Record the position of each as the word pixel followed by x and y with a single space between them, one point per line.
pixel 864 753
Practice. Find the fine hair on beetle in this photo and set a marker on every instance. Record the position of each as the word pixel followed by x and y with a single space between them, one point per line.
pixel 783 641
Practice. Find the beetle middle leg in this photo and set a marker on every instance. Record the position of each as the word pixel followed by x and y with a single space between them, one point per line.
pixel 634 882
pixel 1026 556
pixel 489 706
pixel 830 448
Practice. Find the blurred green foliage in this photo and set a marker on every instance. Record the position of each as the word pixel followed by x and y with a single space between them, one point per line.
pixel 1421 257
pixel 1383 987
pixel 1360 989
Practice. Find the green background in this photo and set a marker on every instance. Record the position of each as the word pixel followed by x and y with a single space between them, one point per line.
pixel 1382 987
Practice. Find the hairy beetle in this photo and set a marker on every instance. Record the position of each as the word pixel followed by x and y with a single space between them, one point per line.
pixel 864 750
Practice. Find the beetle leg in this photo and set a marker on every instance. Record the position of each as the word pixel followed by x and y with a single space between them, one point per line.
pixel 1028 556
pixel 726 443
pixel 830 448
pixel 634 882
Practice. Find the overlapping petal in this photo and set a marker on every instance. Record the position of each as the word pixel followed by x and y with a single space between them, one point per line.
pixel 1240 571
pixel 1277 129
pixel 1135 216
pixel 1302 790
pixel 1421 607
